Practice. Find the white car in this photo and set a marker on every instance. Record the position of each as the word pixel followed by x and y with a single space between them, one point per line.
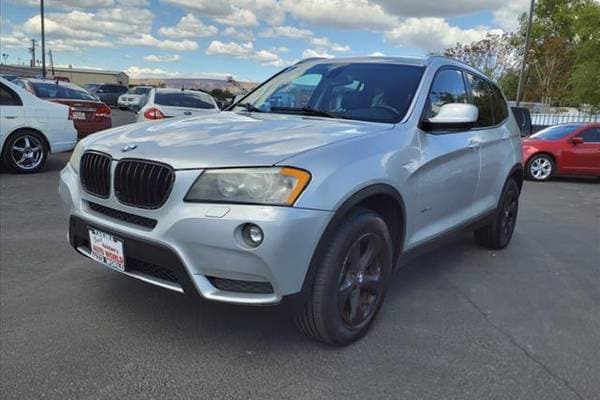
pixel 169 103
pixel 135 98
pixel 31 128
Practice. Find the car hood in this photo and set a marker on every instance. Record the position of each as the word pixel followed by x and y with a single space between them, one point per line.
pixel 227 139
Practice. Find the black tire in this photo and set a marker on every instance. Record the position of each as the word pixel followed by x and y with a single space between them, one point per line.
pixel 333 313
pixel 533 171
pixel 497 234
pixel 35 149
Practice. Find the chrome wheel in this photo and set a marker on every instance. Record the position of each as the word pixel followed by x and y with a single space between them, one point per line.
pixel 27 152
pixel 361 281
pixel 541 168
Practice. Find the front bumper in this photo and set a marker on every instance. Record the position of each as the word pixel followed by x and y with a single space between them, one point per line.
pixel 200 243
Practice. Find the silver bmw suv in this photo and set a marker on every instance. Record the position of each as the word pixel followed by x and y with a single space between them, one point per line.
pixel 311 189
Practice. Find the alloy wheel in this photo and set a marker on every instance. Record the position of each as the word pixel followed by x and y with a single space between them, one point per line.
pixel 541 168
pixel 27 152
pixel 508 217
pixel 361 281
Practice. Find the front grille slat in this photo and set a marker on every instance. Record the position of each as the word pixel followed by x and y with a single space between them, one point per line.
pixel 143 184
pixel 123 216
pixel 95 173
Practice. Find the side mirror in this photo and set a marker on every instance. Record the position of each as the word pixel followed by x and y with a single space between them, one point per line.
pixel 577 140
pixel 453 116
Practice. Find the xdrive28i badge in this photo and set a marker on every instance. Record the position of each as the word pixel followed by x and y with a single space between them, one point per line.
pixel 129 147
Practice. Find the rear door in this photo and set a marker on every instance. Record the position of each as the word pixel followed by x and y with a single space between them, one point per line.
pixel 12 112
pixel 494 139
pixel 184 103
pixel 583 158
pixel 450 171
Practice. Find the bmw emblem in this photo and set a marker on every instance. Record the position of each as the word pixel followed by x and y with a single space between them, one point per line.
pixel 129 147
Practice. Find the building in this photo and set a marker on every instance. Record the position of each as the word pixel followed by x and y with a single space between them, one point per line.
pixel 79 76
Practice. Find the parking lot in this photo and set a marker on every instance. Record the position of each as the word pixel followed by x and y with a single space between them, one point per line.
pixel 458 323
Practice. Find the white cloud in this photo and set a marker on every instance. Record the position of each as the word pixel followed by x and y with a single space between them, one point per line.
pixel 437 8
pixel 239 17
pixel 148 40
pixel 163 59
pixel 204 7
pixel 245 35
pixel 346 14
pixel 507 16
pixel 310 53
pixel 432 34
pixel 325 43
pixel 15 40
pixel 137 72
pixel 290 32
pixel 245 51
pixel 68 4
pixel 188 27
pixel 377 54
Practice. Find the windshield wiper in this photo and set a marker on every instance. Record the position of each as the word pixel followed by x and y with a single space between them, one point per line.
pixel 249 107
pixel 310 111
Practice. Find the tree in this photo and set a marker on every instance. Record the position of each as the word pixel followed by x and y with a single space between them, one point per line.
pixel 585 79
pixel 494 55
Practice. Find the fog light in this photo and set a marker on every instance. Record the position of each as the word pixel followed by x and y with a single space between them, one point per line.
pixel 252 234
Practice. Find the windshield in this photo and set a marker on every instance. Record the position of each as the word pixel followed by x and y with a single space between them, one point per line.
pixel 91 86
pixel 54 90
pixel 184 99
pixel 139 90
pixel 555 132
pixel 361 91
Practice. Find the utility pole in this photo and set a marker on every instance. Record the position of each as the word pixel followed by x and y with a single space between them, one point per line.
pixel 43 40
pixel 525 54
pixel 32 49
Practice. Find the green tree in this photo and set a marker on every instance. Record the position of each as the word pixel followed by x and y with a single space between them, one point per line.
pixel 585 78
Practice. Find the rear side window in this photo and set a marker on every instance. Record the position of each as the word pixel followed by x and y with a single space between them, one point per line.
pixel 184 99
pixel 52 90
pixel 8 97
pixel 448 87
pixel 500 107
pixel 591 135
pixel 483 98
pixel 555 132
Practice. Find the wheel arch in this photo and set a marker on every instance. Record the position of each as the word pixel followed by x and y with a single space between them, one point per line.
pixel 380 198
pixel 517 172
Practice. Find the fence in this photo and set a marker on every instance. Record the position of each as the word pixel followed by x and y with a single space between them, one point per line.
pixel 549 119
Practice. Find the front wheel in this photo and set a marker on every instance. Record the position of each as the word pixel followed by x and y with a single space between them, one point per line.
pixel 497 234
pixel 351 281
pixel 25 152
pixel 540 168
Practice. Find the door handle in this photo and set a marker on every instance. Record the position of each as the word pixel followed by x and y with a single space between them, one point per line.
pixel 10 117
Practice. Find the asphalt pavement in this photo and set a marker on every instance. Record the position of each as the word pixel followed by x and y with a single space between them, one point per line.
pixel 458 323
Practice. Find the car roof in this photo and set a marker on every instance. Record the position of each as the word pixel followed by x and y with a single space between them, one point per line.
pixel 172 90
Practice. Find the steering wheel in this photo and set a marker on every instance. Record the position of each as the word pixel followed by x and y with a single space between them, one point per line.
pixel 386 107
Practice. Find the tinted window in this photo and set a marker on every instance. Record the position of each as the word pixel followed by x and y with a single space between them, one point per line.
pixel 483 98
pixel 113 89
pixel 362 91
pixel 555 132
pixel 53 90
pixel 139 90
pixel 500 107
pixel 184 99
pixel 448 87
pixel 591 135
pixel 9 97
pixel 92 87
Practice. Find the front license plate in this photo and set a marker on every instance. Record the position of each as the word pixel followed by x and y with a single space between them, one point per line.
pixel 107 249
pixel 78 115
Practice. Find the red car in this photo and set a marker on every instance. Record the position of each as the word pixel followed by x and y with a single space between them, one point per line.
pixel 568 149
pixel 89 114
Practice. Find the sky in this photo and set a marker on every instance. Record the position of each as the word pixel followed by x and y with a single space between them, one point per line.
pixel 247 39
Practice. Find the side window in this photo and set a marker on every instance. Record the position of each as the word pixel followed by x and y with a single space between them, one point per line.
pixel 448 87
pixel 591 135
pixel 500 107
pixel 8 97
pixel 295 94
pixel 483 98
pixel 102 89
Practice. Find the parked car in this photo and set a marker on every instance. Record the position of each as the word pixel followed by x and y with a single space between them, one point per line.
pixel 9 77
pixel 314 201
pixel 134 99
pixel 523 118
pixel 169 103
pixel 107 92
pixel 88 112
pixel 567 149
pixel 31 128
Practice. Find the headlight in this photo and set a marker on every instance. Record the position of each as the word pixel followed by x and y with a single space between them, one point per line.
pixel 76 156
pixel 279 186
